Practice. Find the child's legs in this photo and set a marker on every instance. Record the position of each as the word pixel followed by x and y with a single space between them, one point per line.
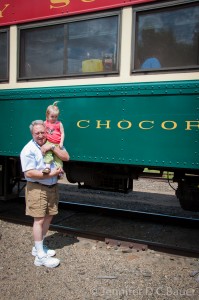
pixel 58 161
pixel 49 156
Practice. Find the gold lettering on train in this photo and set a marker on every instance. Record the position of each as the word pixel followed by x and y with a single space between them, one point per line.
pixel 127 126
pixel 189 124
pixel 87 0
pixel 2 10
pixel 107 124
pixel 148 127
pixel 80 125
pixel 62 3
pixel 163 125
pixel 143 125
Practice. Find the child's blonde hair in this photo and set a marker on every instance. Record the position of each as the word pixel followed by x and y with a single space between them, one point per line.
pixel 53 108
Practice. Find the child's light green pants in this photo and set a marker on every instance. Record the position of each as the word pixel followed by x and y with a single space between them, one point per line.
pixel 50 157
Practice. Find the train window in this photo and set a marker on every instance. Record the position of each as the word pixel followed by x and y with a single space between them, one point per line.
pixel 166 38
pixel 4 55
pixel 71 48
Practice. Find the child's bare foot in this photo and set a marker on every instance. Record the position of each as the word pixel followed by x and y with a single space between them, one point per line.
pixel 61 176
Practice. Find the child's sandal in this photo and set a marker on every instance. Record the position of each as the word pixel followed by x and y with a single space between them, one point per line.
pixel 46 171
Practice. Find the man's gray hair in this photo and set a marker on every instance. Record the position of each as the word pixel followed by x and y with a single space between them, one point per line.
pixel 36 122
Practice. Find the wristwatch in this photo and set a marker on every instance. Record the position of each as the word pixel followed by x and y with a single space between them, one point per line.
pixel 53 147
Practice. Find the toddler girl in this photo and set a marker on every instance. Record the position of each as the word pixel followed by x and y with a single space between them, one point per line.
pixel 54 135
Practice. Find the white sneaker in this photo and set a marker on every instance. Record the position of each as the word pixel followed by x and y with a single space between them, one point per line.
pixel 49 262
pixel 48 252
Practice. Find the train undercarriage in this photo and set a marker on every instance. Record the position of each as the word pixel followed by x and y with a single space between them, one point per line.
pixel 117 178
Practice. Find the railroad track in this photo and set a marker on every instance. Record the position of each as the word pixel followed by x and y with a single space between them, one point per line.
pixel 117 227
pixel 134 214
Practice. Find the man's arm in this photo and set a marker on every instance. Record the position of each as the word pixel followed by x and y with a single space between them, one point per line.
pixel 62 135
pixel 37 174
pixel 61 153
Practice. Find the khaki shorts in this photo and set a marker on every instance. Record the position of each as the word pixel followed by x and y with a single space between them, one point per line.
pixel 41 200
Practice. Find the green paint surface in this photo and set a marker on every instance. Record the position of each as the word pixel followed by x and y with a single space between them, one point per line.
pixel 117 123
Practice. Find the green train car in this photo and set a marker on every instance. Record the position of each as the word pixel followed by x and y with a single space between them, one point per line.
pixel 122 112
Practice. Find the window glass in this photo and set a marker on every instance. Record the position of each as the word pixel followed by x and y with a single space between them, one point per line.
pixel 167 38
pixel 3 55
pixel 73 48
pixel 42 51
pixel 92 45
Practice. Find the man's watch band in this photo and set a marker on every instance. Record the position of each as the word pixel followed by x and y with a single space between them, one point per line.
pixel 53 147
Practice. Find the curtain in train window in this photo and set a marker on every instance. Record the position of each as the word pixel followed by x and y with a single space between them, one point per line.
pixel 167 38
pixel 73 48
pixel 3 55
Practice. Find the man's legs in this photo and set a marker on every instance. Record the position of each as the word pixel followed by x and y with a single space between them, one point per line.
pixel 38 235
pixel 46 224
pixel 40 228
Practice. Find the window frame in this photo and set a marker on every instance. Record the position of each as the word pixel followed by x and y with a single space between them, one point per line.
pixel 66 21
pixel 6 79
pixel 155 7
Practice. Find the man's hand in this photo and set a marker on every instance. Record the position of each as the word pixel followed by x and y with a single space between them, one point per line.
pixel 56 172
pixel 62 154
pixel 45 148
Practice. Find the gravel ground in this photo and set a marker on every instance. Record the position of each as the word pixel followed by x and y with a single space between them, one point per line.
pixel 91 270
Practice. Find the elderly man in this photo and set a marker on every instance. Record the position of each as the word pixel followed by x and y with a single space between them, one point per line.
pixel 41 191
